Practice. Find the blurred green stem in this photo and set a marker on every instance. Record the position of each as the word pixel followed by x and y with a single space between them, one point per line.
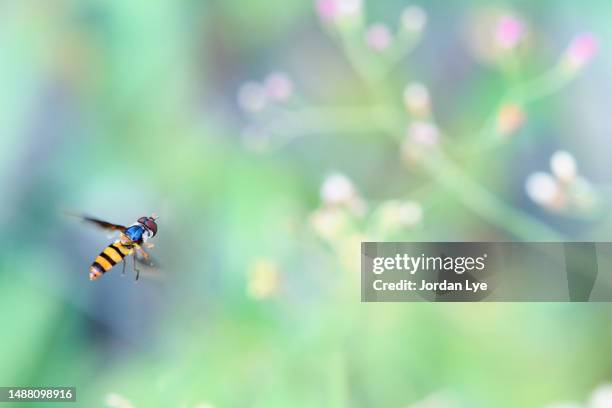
pixel 290 124
pixel 484 203
pixel 552 81
pixel 521 94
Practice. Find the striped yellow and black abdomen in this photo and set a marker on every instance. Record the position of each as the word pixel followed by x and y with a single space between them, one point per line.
pixel 111 256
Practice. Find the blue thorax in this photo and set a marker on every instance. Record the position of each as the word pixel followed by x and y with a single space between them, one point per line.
pixel 135 232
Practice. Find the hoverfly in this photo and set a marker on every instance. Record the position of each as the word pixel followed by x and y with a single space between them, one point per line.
pixel 130 242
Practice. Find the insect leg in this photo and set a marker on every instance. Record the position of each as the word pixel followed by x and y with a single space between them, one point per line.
pixel 135 268
pixel 123 267
pixel 144 254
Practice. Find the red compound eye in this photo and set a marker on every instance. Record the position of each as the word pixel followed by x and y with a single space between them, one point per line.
pixel 151 225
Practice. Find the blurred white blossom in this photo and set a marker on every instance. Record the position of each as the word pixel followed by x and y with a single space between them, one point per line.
pixel 337 189
pixel 114 400
pixel 417 100
pixel 563 188
pixel 543 189
pixel 601 397
pixel 349 7
pixel 563 166
pixel 252 97
pixel 410 213
pixel 413 19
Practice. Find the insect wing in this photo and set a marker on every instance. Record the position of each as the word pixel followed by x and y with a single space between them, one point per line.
pixel 150 267
pixel 149 262
pixel 103 224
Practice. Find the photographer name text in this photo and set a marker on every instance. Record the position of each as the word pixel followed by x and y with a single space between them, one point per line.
pixel 423 285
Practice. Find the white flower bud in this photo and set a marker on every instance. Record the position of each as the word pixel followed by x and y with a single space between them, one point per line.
pixel 414 19
pixel 542 188
pixel 337 189
pixel 349 7
pixel 410 213
pixel 602 397
pixel 416 99
pixel 252 97
pixel 563 166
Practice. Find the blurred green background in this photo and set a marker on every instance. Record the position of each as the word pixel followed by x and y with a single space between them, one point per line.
pixel 272 137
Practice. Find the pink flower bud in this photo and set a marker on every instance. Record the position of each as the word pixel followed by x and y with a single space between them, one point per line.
pixel 278 86
pixel 581 50
pixel 332 10
pixel 509 32
pixel 424 133
pixel 378 37
pixel 326 9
